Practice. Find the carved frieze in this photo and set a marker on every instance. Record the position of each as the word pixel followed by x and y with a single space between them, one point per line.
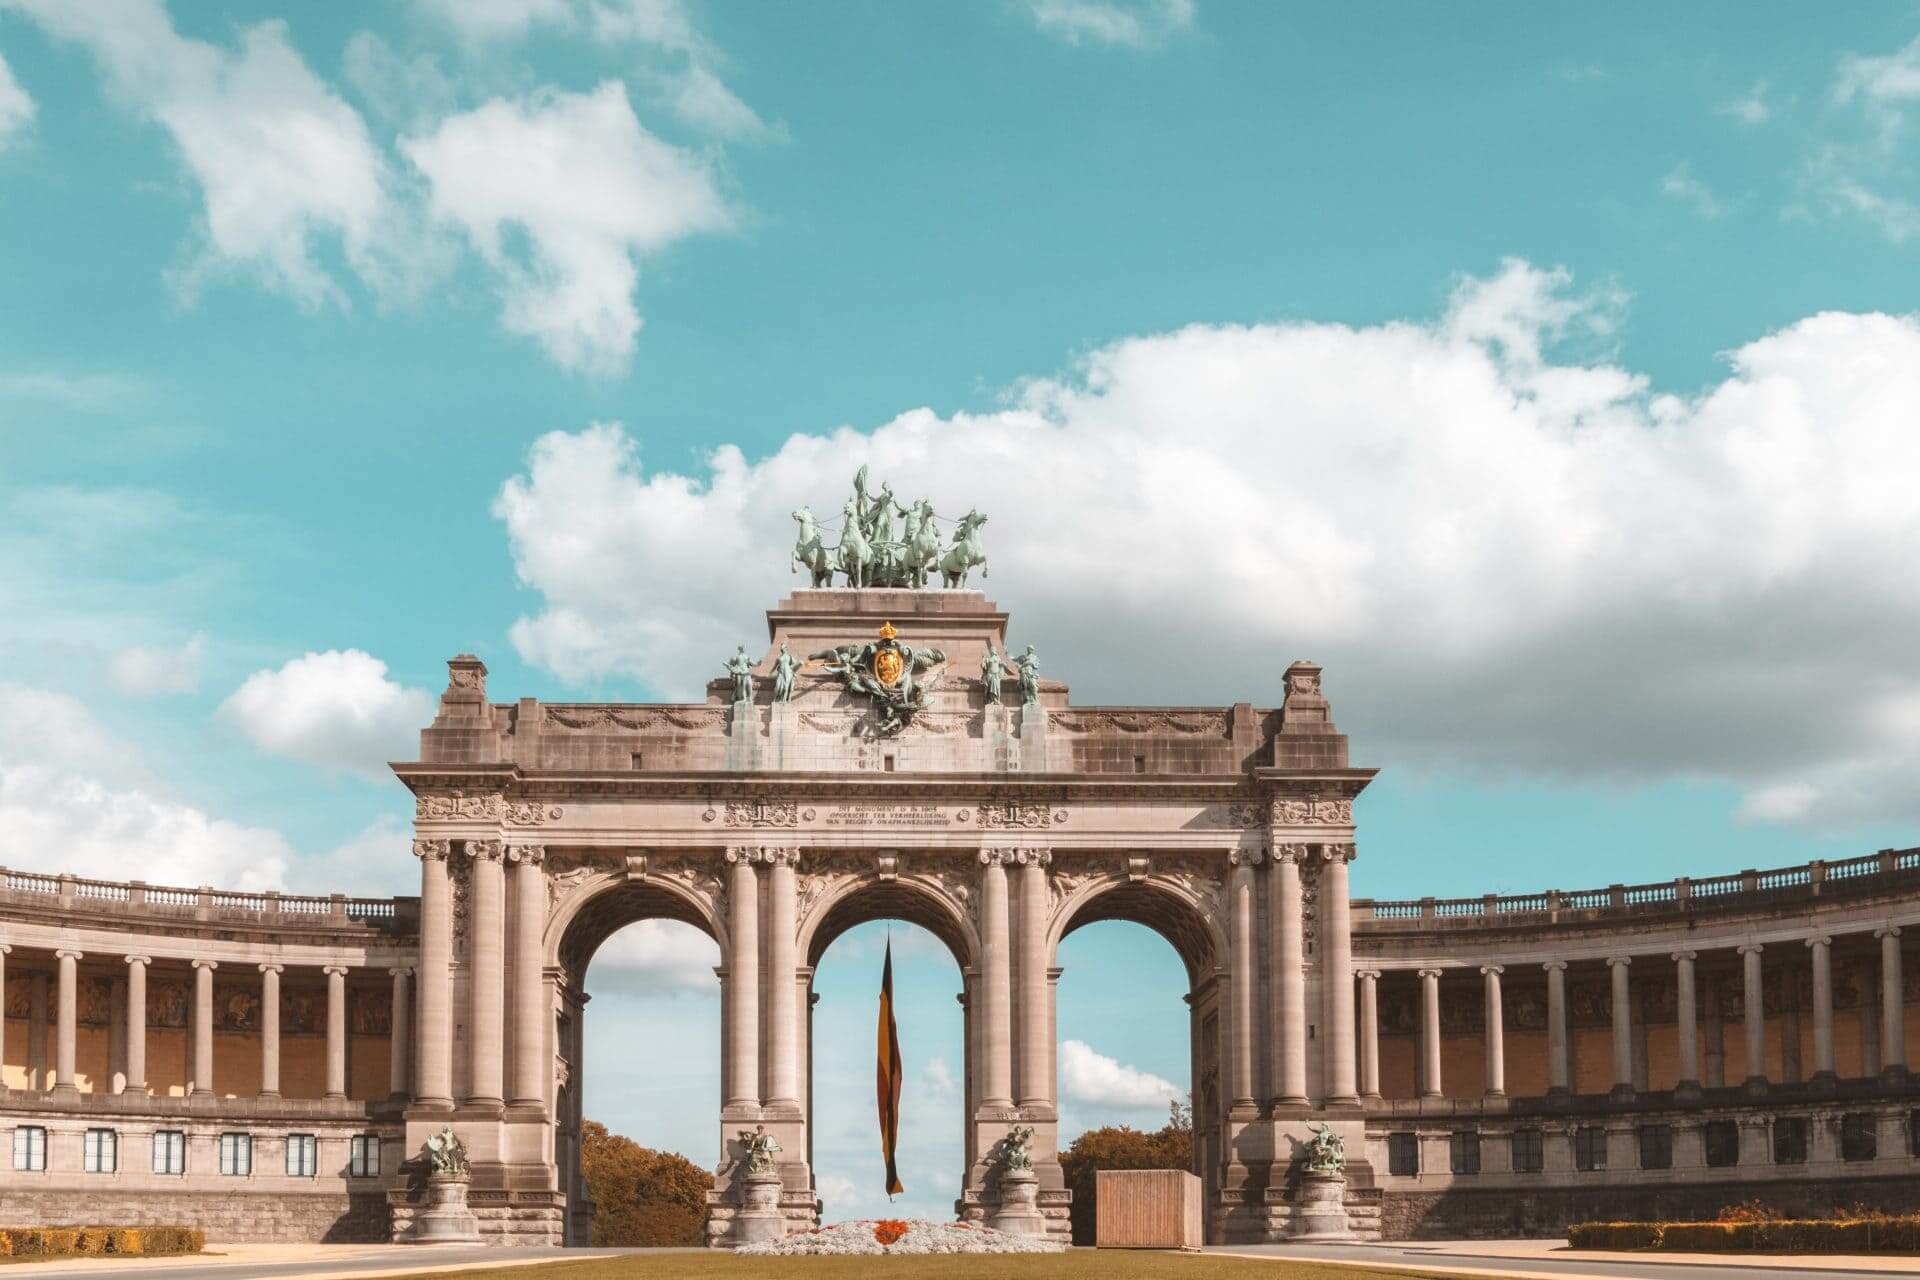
pixel 464 806
pixel 1019 815
pixel 1290 812
pixel 605 719
pixel 762 813
pixel 1138 721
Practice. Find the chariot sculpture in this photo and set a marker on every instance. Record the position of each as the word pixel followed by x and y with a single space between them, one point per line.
pixel 869 554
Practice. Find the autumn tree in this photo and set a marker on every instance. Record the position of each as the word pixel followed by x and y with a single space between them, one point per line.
pixel 1122 1147
pixel 642 1197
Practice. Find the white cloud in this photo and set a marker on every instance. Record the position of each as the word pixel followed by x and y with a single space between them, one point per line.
pixel 1682 185
pixel 282 163
pixel 1750 107
pixel 1605 583
pixel 84 391
pixel 16 108
pixel 1093 1079
pixel 1137 24
pixel 146 671
pixel 698 97
pixel 409 93
pixel 658 957
pixel 1897 218
pixel 337 710
pixel 936 1077
pixel 589 189
pixel 74 798
pixel 1881 80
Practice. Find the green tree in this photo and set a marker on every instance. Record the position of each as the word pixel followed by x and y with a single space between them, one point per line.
pixel 1122 1147
pixel 642 1197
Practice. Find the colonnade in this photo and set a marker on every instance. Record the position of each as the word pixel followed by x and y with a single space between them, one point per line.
pixel 129 1023
pixel 499 1011
pixel 1891 1028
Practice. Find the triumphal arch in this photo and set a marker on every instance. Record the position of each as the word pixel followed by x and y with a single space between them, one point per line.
pixel 272 1066
pixel 891 752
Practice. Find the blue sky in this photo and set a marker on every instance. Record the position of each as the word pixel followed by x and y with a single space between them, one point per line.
pixel 1547 375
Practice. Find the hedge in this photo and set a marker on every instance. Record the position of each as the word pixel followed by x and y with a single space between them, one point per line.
pixel 58 1242
pixel 1867 1234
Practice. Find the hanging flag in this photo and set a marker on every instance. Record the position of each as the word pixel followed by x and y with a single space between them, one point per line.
pixel 887 1077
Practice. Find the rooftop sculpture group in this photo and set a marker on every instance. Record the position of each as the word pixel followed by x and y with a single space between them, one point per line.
pixel 869 554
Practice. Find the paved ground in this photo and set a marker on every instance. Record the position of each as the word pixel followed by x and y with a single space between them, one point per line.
pixel 1506 1259
pixel 1552 1260
pixel 312 1261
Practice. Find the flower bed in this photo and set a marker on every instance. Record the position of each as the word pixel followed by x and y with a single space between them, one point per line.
pixel 1870 1233
pixel 66 1242
pixel 894 1236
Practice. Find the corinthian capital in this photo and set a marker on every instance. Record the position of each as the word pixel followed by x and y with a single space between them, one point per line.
pixel 485 850
pixel 1339 852
pixel 1289 853
pixel 1246 857
pixel 1033 856
pixel 532 854
pixel 432 850
pixel 996 857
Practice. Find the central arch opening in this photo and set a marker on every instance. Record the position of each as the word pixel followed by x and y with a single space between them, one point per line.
pixel 845 939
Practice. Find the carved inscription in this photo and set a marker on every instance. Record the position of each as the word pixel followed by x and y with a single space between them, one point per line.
pixel 887 815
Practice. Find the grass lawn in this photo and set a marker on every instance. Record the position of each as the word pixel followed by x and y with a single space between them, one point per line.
pixel 1081 1264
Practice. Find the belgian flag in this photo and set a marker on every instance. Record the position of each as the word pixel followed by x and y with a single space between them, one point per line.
pixel 887 1077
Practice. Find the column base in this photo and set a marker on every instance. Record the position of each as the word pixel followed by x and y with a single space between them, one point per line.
pixel 432 1104
pixel 1894 1075
pixel 332 1097
pixel 1824 1083
pixel 64 1091
pixel 1622 1093
pixel 1754 1086
pixel 197 1092
pixel 1495 1095
pixel 270 1095
pixel 1687 1091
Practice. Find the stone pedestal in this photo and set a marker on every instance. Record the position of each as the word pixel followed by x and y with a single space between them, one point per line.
pixel 759 1217
pixel 1019 1212
pixel 446 1218
pixel 1321 1213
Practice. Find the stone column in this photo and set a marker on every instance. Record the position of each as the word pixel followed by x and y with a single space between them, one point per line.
pixel 1559 1078
pixel 1244 944
pixel 532 1062
pixel 783 1004
pixel 1822 948
pixel 270 1030
pixel 1036 1006
pixel 433 1085
pixel 1496 1033
pixel 1622 1027
pixel 1336 949
pixel 743 980
pixel 336 1031
pixel 996 995
pixel 1369 1032
pixel 1754 1016
pixel 1893 1031
pixel 1430 1086
pixel 137 1023
pixel 67 1012
pixel 38 1074
pixel 5 951
pixel 203 1026
pixel 400 1035
pixel 1288 981
pixel 487 973
pixel 1687 1022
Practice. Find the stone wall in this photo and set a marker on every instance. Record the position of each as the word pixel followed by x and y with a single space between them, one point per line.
pixel 330 1216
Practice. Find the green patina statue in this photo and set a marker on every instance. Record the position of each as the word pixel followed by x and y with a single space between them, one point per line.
pixel 869 555
pixel 740 667
pixel 1029 666
pixel 783 668
pixel 1325 1152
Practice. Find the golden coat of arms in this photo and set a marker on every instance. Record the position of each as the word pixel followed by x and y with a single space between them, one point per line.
pixel 890 673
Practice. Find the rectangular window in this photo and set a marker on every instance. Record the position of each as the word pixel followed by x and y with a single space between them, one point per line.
pixel 364 1160
pixel 29 1149
pixel 1403 1154
pixel 1463 1153
pixel 101 1154
pixel 301 1155
pixel 1528 1151
pixel 1589 1148
pixel 1721 1138
pixel 236 1155
pixel 169 1151
pixel 1859 1136
pixel 1656 1146
pixel 1790 1140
